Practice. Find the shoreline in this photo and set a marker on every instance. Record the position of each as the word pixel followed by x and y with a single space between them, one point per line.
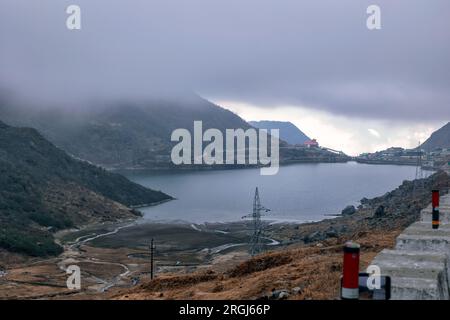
pixel 387 162
pixel 224 167
pixel 148 205
pixel 331 217
pixel 186 249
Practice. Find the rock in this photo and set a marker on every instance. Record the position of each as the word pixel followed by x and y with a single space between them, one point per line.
pixel 364 201
pixel 283 295
pixel 331 233
pixel 313 237
pixel 379 212
pixel 297 290
pixel 280 294
pixel 349 210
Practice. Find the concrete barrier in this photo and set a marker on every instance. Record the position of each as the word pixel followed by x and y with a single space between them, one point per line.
pixel 415 275
pixel 419 266
pixel 444 215
pixel 421 237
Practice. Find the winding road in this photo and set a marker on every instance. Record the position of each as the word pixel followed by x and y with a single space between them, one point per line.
pixel 72 253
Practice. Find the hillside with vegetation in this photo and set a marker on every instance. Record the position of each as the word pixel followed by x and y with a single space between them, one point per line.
pixel 133 135
pixel 42 190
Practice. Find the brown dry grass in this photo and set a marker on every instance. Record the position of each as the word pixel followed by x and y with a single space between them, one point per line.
pixel 315 269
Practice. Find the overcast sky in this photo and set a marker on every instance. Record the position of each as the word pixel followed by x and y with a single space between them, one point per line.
pixel 312 62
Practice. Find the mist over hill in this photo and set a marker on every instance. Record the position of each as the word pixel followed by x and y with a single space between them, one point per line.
pixel 123 134
pixel 132 134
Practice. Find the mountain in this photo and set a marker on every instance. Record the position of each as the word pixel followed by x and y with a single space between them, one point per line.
pixel 438 139
pixel 122 135
pixel 42 189
pixel 288 131
pixel 135 135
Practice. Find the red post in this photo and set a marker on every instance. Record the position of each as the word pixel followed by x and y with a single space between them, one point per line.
pixel 350 277
pixel 435 198
pixel 435 211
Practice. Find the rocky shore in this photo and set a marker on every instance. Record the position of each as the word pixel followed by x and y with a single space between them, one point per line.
pixel 394 210
pixel 308 262
pixel 302 261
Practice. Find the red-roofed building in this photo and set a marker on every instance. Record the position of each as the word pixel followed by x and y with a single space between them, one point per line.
pixel 311 143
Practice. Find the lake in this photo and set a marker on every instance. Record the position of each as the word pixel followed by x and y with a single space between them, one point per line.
pixel 299 192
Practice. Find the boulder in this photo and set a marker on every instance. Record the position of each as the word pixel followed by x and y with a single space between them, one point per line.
pixel 364 201
pixel 283 295
pixel 313 237
pixel 331 232
pixel 379 212
pixel 280 294
pixel 297 290
pixel 349 210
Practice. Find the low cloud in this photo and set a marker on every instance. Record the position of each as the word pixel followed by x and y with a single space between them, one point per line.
pixel 314 54
pixel 374 132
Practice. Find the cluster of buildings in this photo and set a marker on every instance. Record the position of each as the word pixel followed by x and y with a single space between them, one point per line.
pixel 308 144
pixel 311 143
pixel 436 159
pixel 392 155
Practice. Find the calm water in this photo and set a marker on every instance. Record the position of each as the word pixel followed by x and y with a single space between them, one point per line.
pixel 302 192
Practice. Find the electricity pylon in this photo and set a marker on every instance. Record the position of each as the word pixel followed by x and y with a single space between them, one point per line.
pixel 255 241
pixel 418 181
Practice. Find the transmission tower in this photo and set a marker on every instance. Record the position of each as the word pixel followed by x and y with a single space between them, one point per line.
pixel 152 253
pixel 418 181
pixel 255 241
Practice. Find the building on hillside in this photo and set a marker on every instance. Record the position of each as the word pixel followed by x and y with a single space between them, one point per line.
pixel 311 143
pixel 393 151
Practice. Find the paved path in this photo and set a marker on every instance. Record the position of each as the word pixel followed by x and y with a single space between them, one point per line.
pixel 419 265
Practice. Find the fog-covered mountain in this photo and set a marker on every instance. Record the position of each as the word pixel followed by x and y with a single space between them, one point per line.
pixel 288 131
pixel 130 134
pixel 122 134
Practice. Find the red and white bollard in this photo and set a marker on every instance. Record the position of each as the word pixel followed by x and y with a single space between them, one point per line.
pixel 350 278
pixel 435 211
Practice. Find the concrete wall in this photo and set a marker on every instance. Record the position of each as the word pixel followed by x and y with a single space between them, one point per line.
pixel 419 266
